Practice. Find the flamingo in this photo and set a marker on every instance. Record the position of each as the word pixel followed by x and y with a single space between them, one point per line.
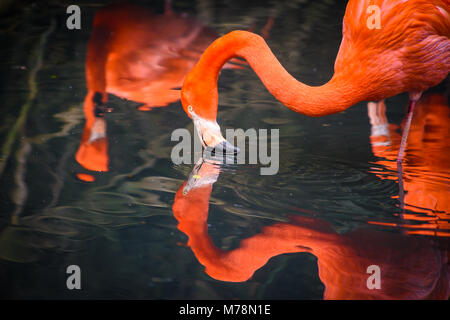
pixel 410 52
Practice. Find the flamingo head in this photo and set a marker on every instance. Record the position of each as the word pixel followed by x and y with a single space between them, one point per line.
pixel 202 109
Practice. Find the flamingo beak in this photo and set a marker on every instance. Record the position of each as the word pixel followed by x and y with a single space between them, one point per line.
pixel 211 136
pixel 224 148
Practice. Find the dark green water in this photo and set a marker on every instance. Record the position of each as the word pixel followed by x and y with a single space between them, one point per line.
pixel 120 229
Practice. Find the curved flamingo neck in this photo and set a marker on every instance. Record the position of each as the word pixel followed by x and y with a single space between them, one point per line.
pixel 200 86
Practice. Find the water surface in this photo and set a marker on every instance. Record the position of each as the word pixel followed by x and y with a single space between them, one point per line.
pixel 309 232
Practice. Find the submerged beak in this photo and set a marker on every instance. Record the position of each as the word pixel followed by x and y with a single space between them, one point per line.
pixel 204 173
pixel 210 135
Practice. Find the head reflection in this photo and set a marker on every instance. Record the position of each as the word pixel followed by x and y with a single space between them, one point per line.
pixel 411 267
pixel 140 56
pixel 425 175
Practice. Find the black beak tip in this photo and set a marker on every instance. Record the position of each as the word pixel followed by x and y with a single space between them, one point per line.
pixel 225 147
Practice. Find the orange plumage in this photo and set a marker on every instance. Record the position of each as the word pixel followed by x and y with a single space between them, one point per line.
pixel 410 52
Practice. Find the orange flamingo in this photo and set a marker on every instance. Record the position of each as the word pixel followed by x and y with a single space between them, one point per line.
pixel 409 53
pixel 135 54
pixel 411 267
pixel 424 189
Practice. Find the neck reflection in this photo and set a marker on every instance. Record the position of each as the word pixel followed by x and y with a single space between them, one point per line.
pixel 411 267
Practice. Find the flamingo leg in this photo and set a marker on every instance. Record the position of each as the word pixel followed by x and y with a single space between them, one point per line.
pixel 401 150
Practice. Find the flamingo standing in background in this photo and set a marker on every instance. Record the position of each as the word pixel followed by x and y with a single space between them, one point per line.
pixel 409 53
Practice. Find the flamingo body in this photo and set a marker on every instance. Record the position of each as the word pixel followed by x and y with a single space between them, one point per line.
pixel 409 53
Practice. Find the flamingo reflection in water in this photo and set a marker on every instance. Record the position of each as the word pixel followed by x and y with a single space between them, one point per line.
pixel 425 175
pixel 411 267
pixel 137 55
